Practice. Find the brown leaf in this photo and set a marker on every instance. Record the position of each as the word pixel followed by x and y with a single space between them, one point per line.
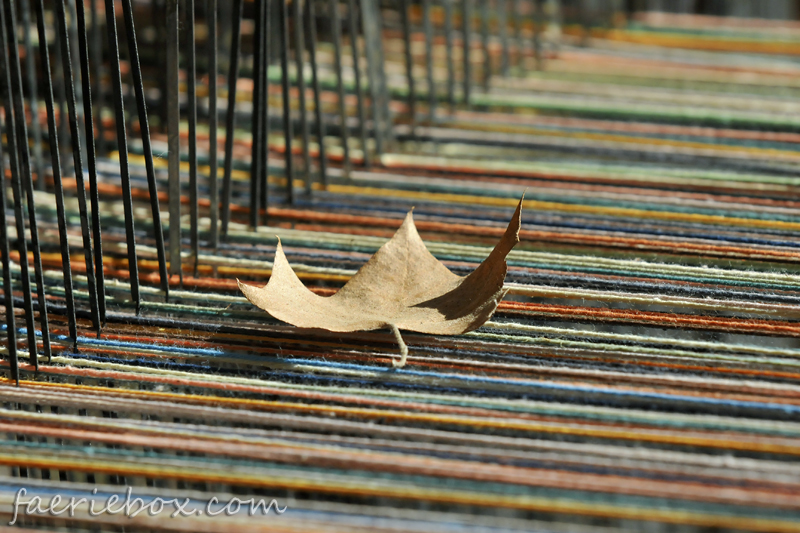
pixel 402 286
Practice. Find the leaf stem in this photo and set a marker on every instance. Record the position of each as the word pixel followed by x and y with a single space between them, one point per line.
pixel 403 348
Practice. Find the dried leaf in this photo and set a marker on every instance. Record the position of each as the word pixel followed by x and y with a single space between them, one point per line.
pixel 402 286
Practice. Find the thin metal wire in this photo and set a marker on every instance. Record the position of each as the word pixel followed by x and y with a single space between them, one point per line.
pixel 259 64
pixel 98 95
pixel 194 230
pixel 297 15
pixel 428 29
pixel 26 180
pixel 213 119
pixel 8 288
pixel 55 159
pixel 144 130
pixel 518 18
pixel 173 139
pixel 33 92
pixel 451 71
pixel 230 114
pixel 311 31
pixel 538 22
pixel 69 80
pixel 371 28
pixel 466 30
pixel 264 98
pixel 122 148
pixel 16 187
pixel 502 22
pixel 412 93
pixel 287 117
pixel 352 29
pixel 487 59
pixel 336 26
pixel 91 158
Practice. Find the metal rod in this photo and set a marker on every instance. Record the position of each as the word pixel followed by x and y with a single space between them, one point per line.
pixel 173 140
pixel 8 285
pixel 10 127
pixel 98 95
pixel 33 93
pixel 487 58
pixel 230 114
pixel 311 30
pixel 264 97
pixel 194 230
pixel 386 128
pixel 518 18
pixel 502 22
pixel 26 180
pixel 55 160
pixel 371 27
pixel 91 158
pixel 69 80
pixel 255 123
pixel 297 14
pixel 72 29
pixel 336 25
pixel 259 64
pixel 466 29
pixel 287 117
pixel 362 120
pixel 428 29
pixel 122 148
pixel 451 71
pixel 213 119
pixel 412 93
pixel 537 33
pixel 144 128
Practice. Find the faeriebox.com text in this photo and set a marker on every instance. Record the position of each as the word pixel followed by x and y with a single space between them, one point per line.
pixel 130 506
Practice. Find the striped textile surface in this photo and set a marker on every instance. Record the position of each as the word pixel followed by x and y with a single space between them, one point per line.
pixel 641 375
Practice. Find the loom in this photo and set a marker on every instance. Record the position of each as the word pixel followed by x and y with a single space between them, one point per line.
pixel 640 375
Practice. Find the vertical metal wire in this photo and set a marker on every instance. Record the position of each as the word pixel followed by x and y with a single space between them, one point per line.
pixel 213 119
pixel 173 140
pixel 451 71
pixel 466 29
pixel 8 289
pixel 352 29
pixel 283 23
pixel 26 181
pixel 230 114
pixel 69 80
pixel 122 148
pixel 96 51
pixel 502 23
pixel 518 18
pixel 336 26
pixel 55 162
pixel 144 128
pixel 538 23
pixel 311 31
pixel 264 97
pixel 412 94
pixel 91 158
pixel 33 92
pixel 297 15
pixel 427 25
pixel 387 133
pixel 371 27
pixel 194 230
pixel 8 285
pixel 259 64
pixel 487 58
